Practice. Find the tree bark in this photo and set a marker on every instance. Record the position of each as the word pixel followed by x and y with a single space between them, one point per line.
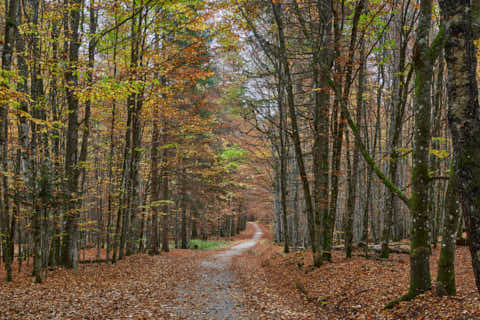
pixel 278 15
pixel 6 221
pixel 283 170
pixel 71 153
pixel 464 113
pixel 154 189
pixel 351 186
pixel 446 263
pixel 165 206
pixel 420 249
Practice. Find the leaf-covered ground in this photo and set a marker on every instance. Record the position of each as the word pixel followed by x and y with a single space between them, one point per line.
pixel 288 287
pixel 136 288
pixel 139 287
pixel 269 285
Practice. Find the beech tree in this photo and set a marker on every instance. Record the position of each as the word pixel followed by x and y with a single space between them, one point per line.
pixel 334 80
pixel 461 20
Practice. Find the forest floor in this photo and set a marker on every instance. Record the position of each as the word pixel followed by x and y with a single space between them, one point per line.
pixel 235 282
pixel 138 287
pixel 180 284
pixel 280 286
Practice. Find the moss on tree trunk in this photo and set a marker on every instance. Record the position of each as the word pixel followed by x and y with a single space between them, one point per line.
pixel 464 113
pixel 446 264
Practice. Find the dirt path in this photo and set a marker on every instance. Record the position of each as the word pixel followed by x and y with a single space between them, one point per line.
pixel 216 293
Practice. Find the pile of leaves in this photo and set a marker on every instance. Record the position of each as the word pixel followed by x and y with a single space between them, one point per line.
pixel 283 286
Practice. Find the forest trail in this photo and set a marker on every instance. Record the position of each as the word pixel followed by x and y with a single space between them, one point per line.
pixel 215 294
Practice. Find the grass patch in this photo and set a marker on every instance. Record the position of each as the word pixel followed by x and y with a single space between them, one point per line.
pixel 204 245
pixel 207 245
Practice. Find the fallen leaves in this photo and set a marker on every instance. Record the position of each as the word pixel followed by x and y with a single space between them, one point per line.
pixel 289 287
pixel 138 287
pixel 270 285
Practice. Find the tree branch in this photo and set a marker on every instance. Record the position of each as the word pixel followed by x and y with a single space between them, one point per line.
pixel 368 158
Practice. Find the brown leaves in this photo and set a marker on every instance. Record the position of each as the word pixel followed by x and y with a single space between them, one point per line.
pixel 347 289
pixel 276 286
pixel 136 288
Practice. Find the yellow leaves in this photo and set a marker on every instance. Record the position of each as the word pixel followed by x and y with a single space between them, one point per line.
pixel 8 89
pixel 441 154
pixel 159 203
pixel 42 124
pixel 107 90
pixel 403 151
pixel 439 139
pixel 88 225
pixel 198 25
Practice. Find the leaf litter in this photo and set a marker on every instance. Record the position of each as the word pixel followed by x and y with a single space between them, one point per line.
pixel 258 283
pixel 287 286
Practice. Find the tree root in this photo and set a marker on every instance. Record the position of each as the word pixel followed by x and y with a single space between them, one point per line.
pixel 406 297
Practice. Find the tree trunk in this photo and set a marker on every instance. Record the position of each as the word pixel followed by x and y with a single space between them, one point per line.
pixel 446 263
pixel 464 113
pixel 338 129
pixel 154 189
pixel 283 171
pixel 348 230
pixel 71 153
pixel 112 242
pixel 165 211
pixel 420 250
pixel 183 206
pixel 278 14
pixel 7 57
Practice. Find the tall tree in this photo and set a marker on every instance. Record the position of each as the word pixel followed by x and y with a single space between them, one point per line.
pixel 72 171
pixel 7 221
pixel 462 29
pixel 283 59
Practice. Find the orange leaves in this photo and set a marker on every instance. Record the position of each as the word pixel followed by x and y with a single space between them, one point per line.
pixel 348 289
pixel 139 287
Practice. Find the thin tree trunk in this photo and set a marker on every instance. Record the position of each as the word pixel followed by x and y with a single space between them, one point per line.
pixel 283 171
pixel 165 206
pixel 278 13
pixel 154 189
pixel 348 230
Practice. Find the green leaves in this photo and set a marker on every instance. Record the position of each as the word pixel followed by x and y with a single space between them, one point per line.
pixel 233 157
pixel 233 154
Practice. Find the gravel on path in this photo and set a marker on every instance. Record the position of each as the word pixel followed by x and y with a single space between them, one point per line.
pixel 216 292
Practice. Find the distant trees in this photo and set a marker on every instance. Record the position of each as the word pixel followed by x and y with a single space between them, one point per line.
pixel 109 127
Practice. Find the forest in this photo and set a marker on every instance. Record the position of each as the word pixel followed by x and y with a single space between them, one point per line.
pixel 239 159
